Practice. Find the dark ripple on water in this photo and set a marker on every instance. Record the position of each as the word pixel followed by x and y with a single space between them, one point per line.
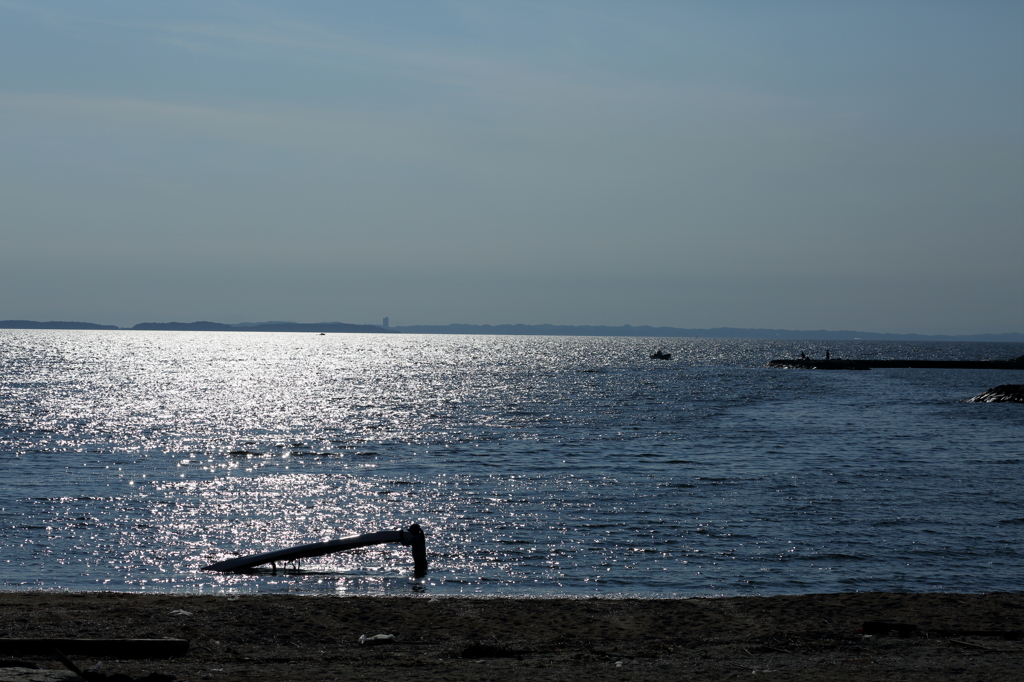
pixel 538 465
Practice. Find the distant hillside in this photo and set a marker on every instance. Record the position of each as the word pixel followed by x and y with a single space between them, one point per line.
pixel 323 327
pixel 522 330
pixel 714 333
pixel 29 324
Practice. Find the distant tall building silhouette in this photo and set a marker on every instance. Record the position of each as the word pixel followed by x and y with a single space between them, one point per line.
pixel 385 323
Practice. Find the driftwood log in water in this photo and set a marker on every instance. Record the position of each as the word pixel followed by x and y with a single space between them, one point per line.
pixel 413 537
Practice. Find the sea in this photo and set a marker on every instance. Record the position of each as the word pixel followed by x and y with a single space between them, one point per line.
pixel 538 466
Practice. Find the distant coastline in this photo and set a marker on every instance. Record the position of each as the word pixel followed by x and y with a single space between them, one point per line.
pixel 322 327
pixel 713 333
pixel 523 330
pixel 29 324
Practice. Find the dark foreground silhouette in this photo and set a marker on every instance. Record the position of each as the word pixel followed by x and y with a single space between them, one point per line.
pixel 863 636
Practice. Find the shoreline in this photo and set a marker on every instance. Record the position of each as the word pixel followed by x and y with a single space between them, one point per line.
pixel 291 637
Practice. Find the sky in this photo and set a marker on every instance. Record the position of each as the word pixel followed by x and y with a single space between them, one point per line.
pixel 797 165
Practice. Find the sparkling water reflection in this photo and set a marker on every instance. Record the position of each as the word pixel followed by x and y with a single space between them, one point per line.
pixel 537 465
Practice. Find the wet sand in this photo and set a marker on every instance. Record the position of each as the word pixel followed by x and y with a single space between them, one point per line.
pixel 283 637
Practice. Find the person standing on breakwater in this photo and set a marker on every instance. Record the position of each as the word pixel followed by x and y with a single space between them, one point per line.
pixel 828 354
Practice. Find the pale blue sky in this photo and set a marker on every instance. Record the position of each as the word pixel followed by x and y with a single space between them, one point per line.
pixel 801 165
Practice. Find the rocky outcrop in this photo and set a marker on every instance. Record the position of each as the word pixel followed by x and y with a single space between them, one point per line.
pixel 1007 393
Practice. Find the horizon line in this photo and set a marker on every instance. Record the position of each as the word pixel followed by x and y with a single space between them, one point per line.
pixel 545 329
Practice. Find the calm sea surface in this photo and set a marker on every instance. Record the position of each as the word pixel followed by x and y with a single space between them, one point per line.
pixel 538 466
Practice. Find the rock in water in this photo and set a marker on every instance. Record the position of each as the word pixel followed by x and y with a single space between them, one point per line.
pixel 1007 393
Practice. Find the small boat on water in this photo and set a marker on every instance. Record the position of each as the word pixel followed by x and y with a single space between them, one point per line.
pixel 660 355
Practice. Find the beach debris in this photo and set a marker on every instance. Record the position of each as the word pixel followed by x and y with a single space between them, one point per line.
pixel 56 653
pixel 972 645
pixel 13 674
pixel 481 650
pixel 26 671
pixel 90 676
pixel 181 612
pixel 376 639
pixel 882 628
pixel 115 648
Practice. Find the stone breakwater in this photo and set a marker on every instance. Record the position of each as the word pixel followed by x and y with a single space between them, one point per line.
pixel 1006 393
pixel 840 363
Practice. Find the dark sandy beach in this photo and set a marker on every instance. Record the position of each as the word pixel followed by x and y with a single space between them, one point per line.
pixel 281 637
